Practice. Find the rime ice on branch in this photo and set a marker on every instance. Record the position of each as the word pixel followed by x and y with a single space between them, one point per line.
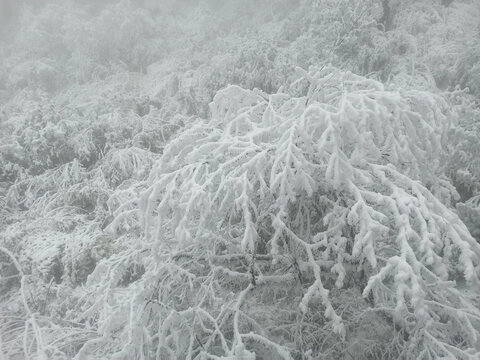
pixel 333 183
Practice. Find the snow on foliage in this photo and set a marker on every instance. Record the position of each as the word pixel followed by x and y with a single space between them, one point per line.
pixel 173 184
pixel 325 183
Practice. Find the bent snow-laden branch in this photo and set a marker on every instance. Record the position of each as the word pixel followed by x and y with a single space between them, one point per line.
pixel 330 191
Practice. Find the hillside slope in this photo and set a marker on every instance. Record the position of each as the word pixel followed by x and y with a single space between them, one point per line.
pixel 240 180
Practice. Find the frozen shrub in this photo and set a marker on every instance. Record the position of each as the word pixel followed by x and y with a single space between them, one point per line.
pixel 299 201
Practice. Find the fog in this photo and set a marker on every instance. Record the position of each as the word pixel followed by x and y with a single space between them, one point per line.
pixel 268 179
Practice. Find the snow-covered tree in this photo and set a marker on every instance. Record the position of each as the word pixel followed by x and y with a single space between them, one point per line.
pixel 263 223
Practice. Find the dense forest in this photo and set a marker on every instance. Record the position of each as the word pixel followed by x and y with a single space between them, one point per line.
pixel 248 179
